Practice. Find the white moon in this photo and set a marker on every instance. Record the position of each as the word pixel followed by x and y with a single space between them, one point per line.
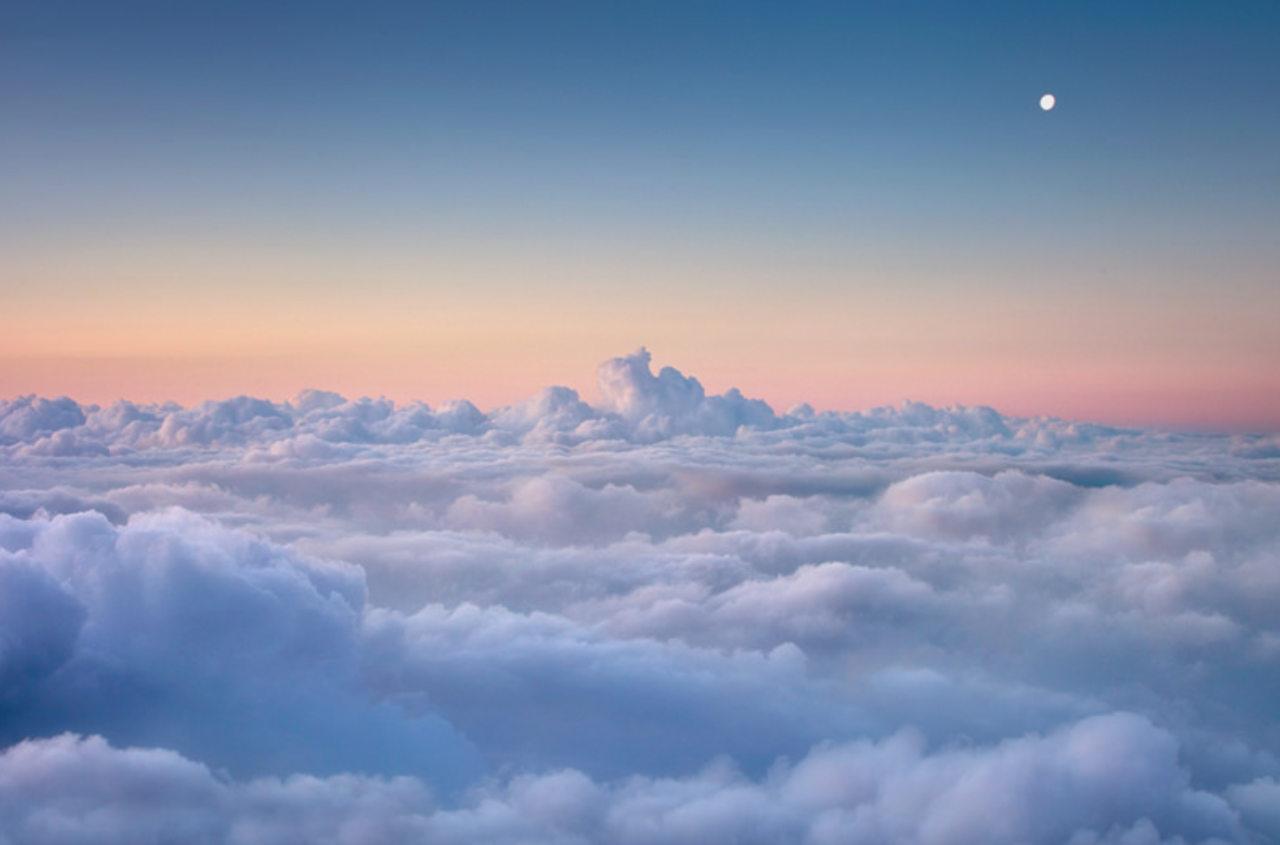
pixel 1047 101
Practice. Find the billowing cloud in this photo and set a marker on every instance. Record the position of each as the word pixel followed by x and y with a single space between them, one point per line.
pixel 172 631
pixel 671 403
pixel 1111 778
pixel 672 617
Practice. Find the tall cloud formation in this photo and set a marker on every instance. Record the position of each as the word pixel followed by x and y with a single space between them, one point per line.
pixel 671 618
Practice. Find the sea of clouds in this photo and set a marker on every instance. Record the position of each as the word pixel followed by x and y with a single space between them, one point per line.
pixel 669 618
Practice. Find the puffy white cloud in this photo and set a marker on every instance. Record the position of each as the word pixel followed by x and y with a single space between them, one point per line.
pixel 557 415
pixel 966 505
pixel 557 509
pixel 536 689
pixel 31 417
pixel 672 617
pixel 173 631
pixel 1112 778
pixel 671 403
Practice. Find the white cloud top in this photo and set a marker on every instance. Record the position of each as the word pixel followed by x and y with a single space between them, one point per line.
pixel 672 618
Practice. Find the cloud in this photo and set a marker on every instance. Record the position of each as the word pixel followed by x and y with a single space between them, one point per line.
pixel 557 509
pixel 671 403
pixel 1258 804
pixel 967 505
pixel 30 417
pixel 669 617
pixel 535 689
pixel 173 631
pixel 39 625
pixel 1111 778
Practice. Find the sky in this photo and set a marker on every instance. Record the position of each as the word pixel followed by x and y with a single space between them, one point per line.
pixel 845 204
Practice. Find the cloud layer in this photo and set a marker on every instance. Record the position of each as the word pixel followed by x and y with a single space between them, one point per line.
pixel 673 617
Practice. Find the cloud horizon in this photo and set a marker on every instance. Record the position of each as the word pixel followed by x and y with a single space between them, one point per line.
pixel 673 616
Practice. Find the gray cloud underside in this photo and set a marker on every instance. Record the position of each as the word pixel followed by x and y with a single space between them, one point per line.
pixel 673 617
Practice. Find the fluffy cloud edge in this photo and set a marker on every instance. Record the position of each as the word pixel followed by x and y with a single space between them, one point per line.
pixel 1106 779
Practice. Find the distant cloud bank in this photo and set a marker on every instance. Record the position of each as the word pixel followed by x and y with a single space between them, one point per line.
pixel 669 618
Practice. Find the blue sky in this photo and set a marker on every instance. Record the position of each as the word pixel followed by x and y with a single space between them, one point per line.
pixel 532 155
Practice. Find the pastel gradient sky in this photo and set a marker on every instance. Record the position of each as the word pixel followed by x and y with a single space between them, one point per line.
pixel 849 204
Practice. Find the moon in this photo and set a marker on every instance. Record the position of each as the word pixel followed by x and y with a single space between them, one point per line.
pixel 1047 102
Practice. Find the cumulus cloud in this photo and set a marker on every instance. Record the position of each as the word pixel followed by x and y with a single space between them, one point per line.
pixel 673 403
pixel 173 631
pixel 670 617
pixel 29 418
pixel 41 624
pixel 1111 778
